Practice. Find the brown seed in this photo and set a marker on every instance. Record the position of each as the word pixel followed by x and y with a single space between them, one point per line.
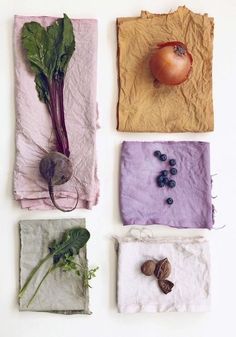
pixel 163 269
pixel 166 286
pixel 148 267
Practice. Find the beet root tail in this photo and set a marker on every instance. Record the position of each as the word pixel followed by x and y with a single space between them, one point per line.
pixel 52 196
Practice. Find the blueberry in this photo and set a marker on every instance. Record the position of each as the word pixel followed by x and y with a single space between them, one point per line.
pixel 172 162
pixel 157 153
pixel 171 183
pixel 159 178
pixel 160 184
pixel 169 201
pixel 163 157
pixel 165 180
pixel 160 181
pixel 164 173
pixel 173 171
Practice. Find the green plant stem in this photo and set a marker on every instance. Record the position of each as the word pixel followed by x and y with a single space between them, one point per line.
pixel 31 275
pixel 51 269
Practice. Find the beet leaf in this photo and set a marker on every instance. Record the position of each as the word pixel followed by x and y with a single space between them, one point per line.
pixel 48 51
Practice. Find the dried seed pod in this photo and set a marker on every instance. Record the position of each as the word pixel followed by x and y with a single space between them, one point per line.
pixel 163 269
pixel 148 267
pixel 166 286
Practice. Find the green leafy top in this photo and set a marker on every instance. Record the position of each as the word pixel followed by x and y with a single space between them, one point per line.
pixel 70 244
pixel 48 51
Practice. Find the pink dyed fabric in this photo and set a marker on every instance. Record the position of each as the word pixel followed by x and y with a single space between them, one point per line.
pixel 34 135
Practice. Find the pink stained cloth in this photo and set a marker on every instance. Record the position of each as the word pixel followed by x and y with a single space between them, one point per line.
pixel 34 135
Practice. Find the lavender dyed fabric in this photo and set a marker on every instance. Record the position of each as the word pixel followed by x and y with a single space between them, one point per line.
pixel 34 136
pixel 142 202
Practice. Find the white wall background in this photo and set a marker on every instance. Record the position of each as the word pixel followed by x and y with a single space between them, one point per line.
pixel 104 220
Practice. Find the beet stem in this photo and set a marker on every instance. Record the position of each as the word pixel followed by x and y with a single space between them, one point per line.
pixel 55 106
pixel 58 140
pixel 52 108
pixel 60 97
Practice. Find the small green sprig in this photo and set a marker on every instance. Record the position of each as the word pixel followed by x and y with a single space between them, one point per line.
pixel 86 274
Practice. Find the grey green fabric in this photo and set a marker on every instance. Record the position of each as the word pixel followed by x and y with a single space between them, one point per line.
pixel 62 292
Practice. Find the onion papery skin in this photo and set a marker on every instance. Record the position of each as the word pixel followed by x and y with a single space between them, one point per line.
pixel 171 63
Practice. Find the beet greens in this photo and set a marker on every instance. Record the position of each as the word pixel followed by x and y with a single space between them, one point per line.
pixel 48 51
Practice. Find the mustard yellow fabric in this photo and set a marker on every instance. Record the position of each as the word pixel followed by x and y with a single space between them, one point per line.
pixel 143 107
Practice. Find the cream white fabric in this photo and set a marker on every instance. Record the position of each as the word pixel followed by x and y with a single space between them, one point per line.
pixel 189 258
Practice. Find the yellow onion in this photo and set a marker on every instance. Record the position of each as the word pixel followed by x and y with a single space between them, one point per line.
pixel 171 63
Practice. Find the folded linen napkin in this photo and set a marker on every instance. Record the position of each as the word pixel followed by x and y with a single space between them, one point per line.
pixel 190 273
pixel 34 135
pixel 61 292
pixel 143 202
pixel 142 106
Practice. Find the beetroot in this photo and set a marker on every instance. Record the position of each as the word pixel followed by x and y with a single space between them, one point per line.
pixel 56 169
pixel 48 51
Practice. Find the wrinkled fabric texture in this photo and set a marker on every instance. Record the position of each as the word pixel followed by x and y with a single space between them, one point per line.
pixel 143 107
pixel 34 134
pixel 142 202
pixel 190 273
pixel 61 292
